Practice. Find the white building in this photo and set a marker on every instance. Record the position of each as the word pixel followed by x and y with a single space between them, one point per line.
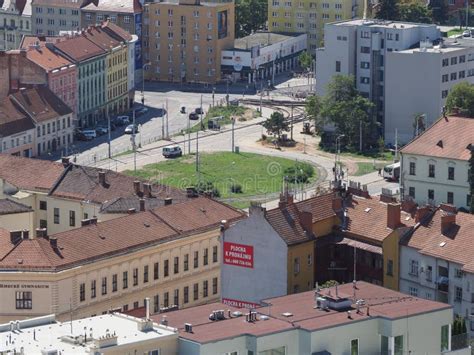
pixel 106 334
pixel 426 74
pixel 15 22
pixel 327 321
pixel 436 260
pixel 434 166
pixel 361 48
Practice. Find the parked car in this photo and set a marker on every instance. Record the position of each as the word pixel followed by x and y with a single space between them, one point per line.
pixel 193 116
pixel 130 129
pixel 78 135
pixel 101 130
pixel 466 33
pixel 199 111
pixel 172 151
pixel 121 120
pixel 90 134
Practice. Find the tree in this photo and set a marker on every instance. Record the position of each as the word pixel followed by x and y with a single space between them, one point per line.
pixel 415 12
pixel 388 10
pixel 250 15
pixel 276 124
pixel 348 111
pixel 439 11
pixel 329 283
pixel 461 96
pixel 313 108
pixel 471 180
pixel 305 60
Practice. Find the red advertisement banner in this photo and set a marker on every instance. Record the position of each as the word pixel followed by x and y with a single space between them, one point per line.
pixel 238 254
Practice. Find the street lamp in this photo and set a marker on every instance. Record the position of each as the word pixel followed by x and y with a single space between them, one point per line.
pixel 145 66
pixel 338 152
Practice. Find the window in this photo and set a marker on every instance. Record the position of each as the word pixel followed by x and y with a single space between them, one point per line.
pixel 457 273
pixel 196 259
pixel 93 289
pixel 186 262
pixel 126 19
pixel 413 291
pixel 104 285
pixel 176 265
pixel 431 170
pixel 166 270
pixel 365 49
pixel 135 276
pixel 114 283
pixel 125 280
pixel 310 259
pixel 72 218
pixel 454 76
pixel 445 62
pixel 390 267
pixel 338 66
pixel 444 94
pixel 186 294
pixel 468 200
pixel 430 194
pixel 24 300
pixel 156 268
pixel 214 254
pixel 176 298
pixel 156 303
pixel 364 80
pixel 445 337
pixel 364 65
pixel 296 265
pixel 429 273
pixel 384 345
pixel 145 273
pixel 205 259
pixel 457 294
pixel 450 172
pixel 412 168
pixel 413 267
pixel 82 292
pixel 411 192
pixel 462 59
pixel 214 286
pixel 205 288
pixel 399 345
pixel 355 347
pixel 43 205
pixel 196 292
pixel 462 74
pixel 56 215
pixel 450 198
pixel 454 60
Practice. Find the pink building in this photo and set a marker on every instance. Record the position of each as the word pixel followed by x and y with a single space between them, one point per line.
pixel 61 73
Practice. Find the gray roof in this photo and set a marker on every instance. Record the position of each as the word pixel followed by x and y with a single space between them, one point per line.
pixel 8 206
pixel 262 38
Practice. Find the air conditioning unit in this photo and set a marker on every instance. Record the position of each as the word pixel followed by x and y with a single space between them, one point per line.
pixel 322 303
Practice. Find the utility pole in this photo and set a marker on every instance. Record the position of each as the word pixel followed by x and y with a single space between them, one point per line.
pixel 108 132
pixel 233 126
pixel 167 122
pixel 261 98
pixel 197 151
pixel 162 121
pixel 134 145
pixel 202 127
pixel 189 138
pixel 396 143
pixel 213 93
pixel 360 135
pixel 291 121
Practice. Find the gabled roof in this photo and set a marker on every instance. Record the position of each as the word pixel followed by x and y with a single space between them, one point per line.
pixel 46 58
pixel 447 138
pixel 12 120
pixel 79 48
pixel 8 206
pixel 116 31
pixel 75 4
pixel 101 38
pixel 119 6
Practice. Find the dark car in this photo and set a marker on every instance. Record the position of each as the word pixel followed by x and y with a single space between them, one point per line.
pixel 78 135
pixel 199 111
pixel 193 116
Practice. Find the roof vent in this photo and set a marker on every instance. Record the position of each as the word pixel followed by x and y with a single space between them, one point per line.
pixel 217 315
pixel 287 314
pixel 440 143
pixel 236 314
pixel 188 327
pixel 264 317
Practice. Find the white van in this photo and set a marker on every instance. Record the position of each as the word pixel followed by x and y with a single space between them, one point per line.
pixel 172 151
pixel 90 134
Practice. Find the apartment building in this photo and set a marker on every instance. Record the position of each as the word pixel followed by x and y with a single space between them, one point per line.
pixel 355 318
pixel 50 17
pixel 127 15
pixel 15 22
pixel 434 166
pixel 436 262
pixel 310 16
pixel 361 48
pixel 184 40
pixel 108 334
pixel 427 74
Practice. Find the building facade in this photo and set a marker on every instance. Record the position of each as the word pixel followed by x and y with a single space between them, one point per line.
pixel 310 17
pixel 184 40
pixel 360 48
pixel 434 166
pixel 15 22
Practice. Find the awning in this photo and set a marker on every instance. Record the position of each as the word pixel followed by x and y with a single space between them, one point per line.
pixel 360 245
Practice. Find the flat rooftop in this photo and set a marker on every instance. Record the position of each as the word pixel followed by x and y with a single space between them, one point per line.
pixel 44 333
pixel 449 45
pixel 262 38
pixel 381 24
pixel 298 312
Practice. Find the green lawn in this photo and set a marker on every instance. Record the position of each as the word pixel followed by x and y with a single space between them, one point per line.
pixel 366 168
pixel 371 155
pixel 225 111
pixel 256 174
pixel 455 31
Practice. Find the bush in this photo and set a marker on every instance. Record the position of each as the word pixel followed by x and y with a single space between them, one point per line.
pixel 300 173
pixel 207 187
pixel 264 137
pixel 236 188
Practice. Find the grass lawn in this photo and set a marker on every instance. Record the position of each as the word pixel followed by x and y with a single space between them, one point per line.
pixel 455 31
pixel 256 174
pixel 366 168
pixel 370 155
pixel 225 111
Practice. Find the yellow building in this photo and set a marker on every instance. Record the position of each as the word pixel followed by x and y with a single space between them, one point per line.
pixel 182 41
pixel 310 16
pixel 169 254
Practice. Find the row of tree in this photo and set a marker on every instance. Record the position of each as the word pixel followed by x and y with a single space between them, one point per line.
pixel 413 11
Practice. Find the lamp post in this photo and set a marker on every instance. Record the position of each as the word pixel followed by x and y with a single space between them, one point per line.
pixel 146 65
pixel 338 152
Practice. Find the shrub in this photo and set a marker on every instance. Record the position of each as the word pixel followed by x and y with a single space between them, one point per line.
pixel 300 173
pixel 236 188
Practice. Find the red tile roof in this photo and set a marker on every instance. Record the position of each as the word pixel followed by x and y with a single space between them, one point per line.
pixel 46 58
pixel 101 38
pixel 446 138
pixel 381 301
pixel 12 120
pixel 32 40
pixel 79 48
pixel 115 30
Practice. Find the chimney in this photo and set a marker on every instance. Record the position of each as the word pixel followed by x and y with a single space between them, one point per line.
pixel 421 213
pixel 164 321
pixel 447 221
pixel 448 208
pixel 146 190
pixel 136 187
pixel 93 220
pixel 306 221
pixel 393 215
pixel 131 210
pixel 168 201
pixel 41 232
pixel 15 237
pixel 65 161
pixel 53 241
pixel 85 222
pixel 188 327
pixel 102 178
pixel 142 205
pixel 26 234
pixel 147 308
pixel 337 203
pixel 224 225
pixel 286 199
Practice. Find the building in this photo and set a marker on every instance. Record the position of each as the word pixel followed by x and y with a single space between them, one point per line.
pixel 90 61
pixel 436 262
pixel 358 318
pixel 262 55
pixel 50 17
pixel 61 73
pixel 17 131
pixel 126 14
pixel 15 22
pixel 310 17
pixel 106 334
pixel 361 48
pixel 116 264
pixel 434 166
pixel 183 40
pixel 15 216
pixel 52 118
pixel 427 74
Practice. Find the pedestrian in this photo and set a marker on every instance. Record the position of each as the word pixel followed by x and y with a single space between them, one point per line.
pixel 380 171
